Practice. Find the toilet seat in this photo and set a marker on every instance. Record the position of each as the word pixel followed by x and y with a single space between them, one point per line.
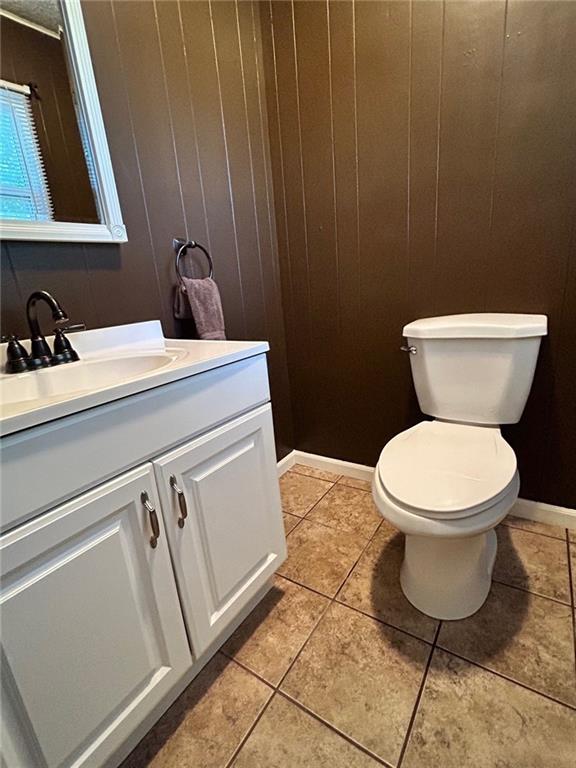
pixel 447 471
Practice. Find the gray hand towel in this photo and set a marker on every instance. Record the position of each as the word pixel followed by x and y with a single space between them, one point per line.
pixel 204 298
pixel 182 309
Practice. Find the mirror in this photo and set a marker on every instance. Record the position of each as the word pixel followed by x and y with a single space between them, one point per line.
pixel 56 178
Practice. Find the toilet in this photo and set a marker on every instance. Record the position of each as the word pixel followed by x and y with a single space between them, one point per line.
pixel 447 483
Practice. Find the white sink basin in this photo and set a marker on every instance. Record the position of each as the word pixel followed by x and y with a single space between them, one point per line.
pixel 65 380
pixel 115 362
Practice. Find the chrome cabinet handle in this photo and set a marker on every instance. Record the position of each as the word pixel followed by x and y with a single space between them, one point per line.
pixel 181 501
pixel 154 524
pixel 412 350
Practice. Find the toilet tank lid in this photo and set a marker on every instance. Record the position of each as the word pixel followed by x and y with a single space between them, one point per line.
pixel 482 325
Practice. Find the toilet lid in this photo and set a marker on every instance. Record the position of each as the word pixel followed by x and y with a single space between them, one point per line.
pixel 441 467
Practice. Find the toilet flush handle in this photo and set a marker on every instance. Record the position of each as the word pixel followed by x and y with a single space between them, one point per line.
pixel 411 349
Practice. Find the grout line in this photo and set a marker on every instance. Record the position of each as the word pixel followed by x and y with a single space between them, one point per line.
pixel 536 594
pixel 507 677
pixel 507 524
pixel 386 623
pixel 248 733
pixel 313 477
pixel 331 601
pixel 334 729
pixel 570 581
pixel 418 697
pixel 572 593
pixel 276 689
pixel 247 668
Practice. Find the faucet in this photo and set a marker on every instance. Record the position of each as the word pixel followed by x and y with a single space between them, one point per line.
pixel 17 358
pixel 41 356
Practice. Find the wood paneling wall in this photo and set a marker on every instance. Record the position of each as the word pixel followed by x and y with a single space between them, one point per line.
pixel 424 163
pixel 181 88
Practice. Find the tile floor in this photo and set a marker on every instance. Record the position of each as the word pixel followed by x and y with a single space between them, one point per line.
pixel 334 668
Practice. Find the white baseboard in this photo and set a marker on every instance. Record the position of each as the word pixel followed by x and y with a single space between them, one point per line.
pixel 545 513
pixel 530 510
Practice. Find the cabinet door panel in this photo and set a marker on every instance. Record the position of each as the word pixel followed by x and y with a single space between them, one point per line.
pixel 233 539
pixel 92 634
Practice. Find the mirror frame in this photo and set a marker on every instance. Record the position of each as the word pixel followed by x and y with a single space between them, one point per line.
pixel 112 229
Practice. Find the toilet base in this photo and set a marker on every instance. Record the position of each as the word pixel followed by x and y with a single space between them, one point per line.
pixel 448 578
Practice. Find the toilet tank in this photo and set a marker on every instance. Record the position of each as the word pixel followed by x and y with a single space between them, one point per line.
pixel 476 369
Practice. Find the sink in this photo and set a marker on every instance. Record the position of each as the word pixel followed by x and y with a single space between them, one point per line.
pixel 115 362
pixel 63 381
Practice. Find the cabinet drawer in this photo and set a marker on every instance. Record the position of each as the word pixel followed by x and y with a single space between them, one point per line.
pixel 46 465
pixel 92 633
pixel 223 518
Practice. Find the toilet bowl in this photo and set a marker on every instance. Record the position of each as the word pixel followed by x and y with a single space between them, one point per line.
pixel 446 486
pixel 447 483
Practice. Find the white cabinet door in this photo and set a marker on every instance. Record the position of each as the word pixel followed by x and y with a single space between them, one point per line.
pixel 92 633
pixel 232 539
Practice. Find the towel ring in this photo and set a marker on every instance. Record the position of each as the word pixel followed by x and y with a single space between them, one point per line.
pixel 181 246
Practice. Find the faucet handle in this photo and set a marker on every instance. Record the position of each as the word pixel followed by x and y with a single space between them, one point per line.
pixel 17 358
pixel 73 328
pixel 63 350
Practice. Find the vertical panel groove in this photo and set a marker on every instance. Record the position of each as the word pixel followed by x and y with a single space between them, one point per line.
pixel 264 144
pixel 409 145
pixel 334 192
pixel 358 249
pixel 231 192
pixel 298 115
pixel 281 152
pixel 438 148
pixel 170 118
pixel 194 128
pixel 496 139
pixel 135 147
pixel 262 292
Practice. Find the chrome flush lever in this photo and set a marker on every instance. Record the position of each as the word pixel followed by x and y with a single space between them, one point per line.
pixel 412 350
pixel 181 501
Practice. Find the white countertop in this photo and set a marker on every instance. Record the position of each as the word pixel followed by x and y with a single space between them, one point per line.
pixel 101 351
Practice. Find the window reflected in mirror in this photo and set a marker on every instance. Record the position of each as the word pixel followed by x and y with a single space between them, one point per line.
pixel 46 170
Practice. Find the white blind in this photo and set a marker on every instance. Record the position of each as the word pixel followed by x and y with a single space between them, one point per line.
pixel 24 193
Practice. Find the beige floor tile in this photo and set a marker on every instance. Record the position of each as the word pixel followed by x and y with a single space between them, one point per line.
pixel 300 492
pixel 470 718
pixel 290 522
pixel 321 557
pixel 268 641
pixel 361 677
pixel 525 637
pixel 287 737
pixel 572 535
pixel 321 474
pixel 531 525
pixel 573 567
pixel 352 482
pixel 374 586
pixel 347 509
pixel 534 562
pixel 207 722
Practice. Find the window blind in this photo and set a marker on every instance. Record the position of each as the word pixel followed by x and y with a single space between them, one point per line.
pixel 24 193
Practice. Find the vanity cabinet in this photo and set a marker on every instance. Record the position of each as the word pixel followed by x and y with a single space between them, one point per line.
pixel 217 493
pixel 112 601
pixel 92 631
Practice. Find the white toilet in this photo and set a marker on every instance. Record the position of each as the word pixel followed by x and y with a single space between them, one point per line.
pixel 447 483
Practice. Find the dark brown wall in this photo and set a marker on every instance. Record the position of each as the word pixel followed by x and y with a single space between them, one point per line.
pixel 31 56
pixel 181 90
pixel 424 163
